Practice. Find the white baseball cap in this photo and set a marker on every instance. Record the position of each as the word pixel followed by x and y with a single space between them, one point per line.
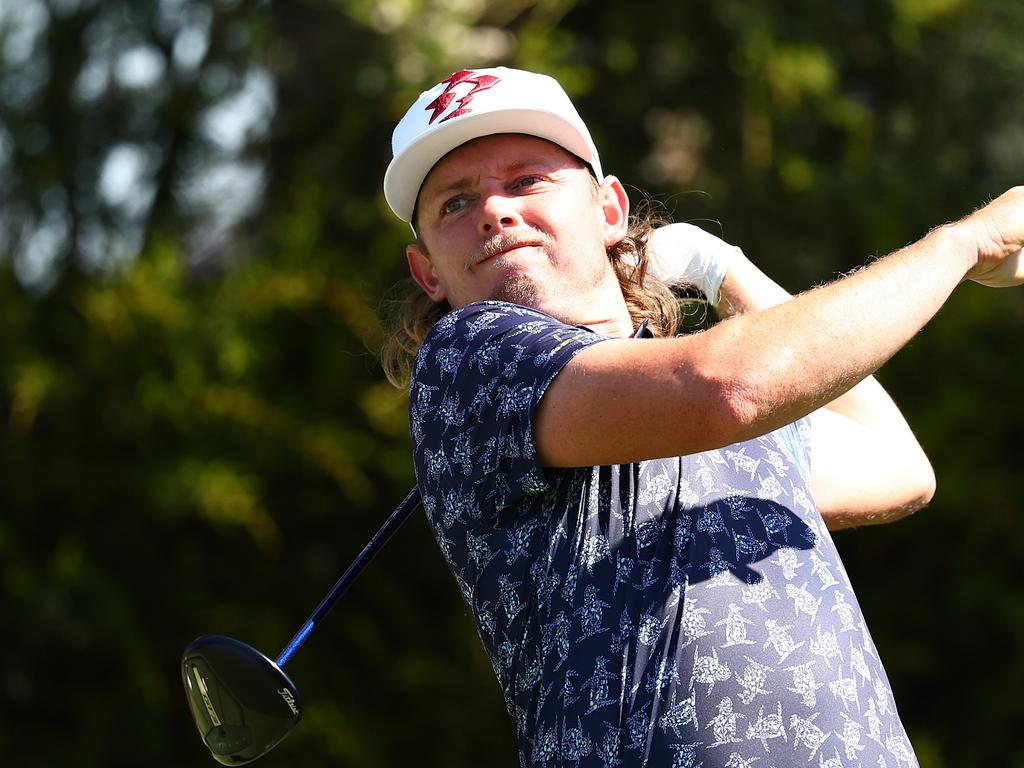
pixel 472 103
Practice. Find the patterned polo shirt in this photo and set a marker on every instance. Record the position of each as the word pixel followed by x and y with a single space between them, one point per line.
pixel 684 612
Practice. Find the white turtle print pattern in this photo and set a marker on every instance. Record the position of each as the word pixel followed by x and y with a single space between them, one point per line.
pixel 681 612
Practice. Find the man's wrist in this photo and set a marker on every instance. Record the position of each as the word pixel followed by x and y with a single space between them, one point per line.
pixel 956 242
pixel 683 253
pixel 747 289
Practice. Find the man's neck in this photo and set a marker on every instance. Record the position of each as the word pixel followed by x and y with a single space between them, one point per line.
pixel 603 310
pixel 616 327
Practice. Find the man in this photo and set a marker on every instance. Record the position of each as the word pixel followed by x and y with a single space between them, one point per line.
pixel 636 523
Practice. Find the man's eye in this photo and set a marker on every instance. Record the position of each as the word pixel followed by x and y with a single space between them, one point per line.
pixel 453 205
pixel 528 181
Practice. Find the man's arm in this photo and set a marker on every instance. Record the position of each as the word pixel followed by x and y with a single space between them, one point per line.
pixel 626 400
pixel 866 465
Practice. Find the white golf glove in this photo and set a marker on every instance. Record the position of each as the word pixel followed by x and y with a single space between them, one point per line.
pixel 683 253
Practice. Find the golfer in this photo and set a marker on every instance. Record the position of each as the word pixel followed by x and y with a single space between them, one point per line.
pixel 638 521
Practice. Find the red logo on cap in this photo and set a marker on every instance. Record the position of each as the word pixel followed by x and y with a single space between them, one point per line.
pixel 442 102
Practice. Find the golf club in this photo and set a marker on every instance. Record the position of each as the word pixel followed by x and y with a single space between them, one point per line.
pixel 242 702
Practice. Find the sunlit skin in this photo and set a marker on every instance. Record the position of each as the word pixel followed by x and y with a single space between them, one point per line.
pixel 516 218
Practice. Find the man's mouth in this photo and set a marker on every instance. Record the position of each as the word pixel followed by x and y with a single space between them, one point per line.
pixel 500 246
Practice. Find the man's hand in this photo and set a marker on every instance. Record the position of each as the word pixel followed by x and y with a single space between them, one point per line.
pixel 997 234
pixel 683 253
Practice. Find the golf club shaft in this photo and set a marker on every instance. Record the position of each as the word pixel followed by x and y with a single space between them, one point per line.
pixel 379 539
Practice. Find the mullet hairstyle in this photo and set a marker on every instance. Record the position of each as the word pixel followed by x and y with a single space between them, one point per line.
pixel 409 314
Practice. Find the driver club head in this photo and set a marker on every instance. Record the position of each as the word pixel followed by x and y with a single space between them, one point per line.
pixel 242 702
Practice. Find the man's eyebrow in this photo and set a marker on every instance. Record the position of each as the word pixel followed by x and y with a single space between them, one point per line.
pixel 459 183
pixel 513 167
pixel 520 165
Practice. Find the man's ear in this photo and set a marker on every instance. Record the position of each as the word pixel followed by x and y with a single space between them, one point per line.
pixel 422 271
pixel 614 208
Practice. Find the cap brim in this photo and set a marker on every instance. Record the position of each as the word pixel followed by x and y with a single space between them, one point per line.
pixel 408 170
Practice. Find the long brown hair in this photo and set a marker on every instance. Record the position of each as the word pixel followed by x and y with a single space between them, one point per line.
pixel 409 314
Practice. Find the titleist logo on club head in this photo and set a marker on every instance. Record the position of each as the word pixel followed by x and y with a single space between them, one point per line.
pixel 288 699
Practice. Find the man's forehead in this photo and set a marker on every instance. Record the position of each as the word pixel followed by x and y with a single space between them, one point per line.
pixel 499 152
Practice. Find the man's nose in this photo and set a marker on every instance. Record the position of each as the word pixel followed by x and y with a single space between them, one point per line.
pixel 498 212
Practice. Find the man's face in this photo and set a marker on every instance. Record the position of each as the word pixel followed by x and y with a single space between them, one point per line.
pixel 514 218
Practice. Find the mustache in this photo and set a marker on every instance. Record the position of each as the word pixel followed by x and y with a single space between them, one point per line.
pixel 505 241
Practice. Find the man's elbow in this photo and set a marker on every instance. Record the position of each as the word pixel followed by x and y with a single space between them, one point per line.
pixel 918 478
pixel 906 491
pixel 868 469
pixel 917 493
pixel 923 490
pixel 746 409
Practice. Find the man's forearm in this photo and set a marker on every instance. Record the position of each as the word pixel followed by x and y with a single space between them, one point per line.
pixel 762 370
pixel 801 354
pixel 867 466
pixel 747 289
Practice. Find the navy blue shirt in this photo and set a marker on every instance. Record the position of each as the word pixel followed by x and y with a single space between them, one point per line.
pixel 685 611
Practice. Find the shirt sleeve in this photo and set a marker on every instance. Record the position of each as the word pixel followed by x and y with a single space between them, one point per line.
pixel 476 382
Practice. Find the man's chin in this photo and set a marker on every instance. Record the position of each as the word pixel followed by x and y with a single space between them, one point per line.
pixel 521 290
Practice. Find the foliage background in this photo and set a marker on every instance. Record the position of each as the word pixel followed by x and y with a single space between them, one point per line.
pixel 194 436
